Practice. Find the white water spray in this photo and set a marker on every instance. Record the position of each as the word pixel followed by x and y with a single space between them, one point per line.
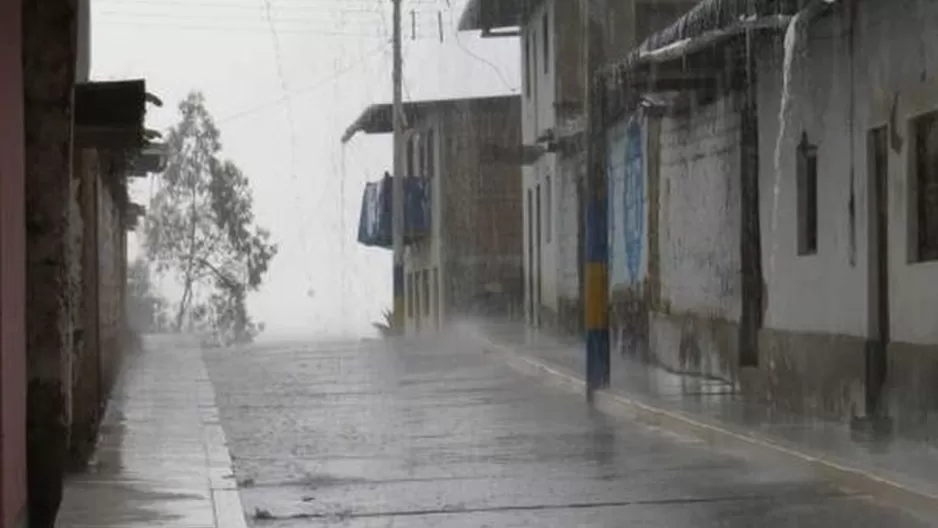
pixel 792 39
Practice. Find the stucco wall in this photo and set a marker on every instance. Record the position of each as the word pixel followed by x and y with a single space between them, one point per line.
pixel 480 202
pixel 12 271
pixel 692 318
pixel 895 59
pixel 561 83
pixel 53 264
pixel 110 302
pixel 699 211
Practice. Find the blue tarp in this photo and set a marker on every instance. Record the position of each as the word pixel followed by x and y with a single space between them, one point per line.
pixel 374 225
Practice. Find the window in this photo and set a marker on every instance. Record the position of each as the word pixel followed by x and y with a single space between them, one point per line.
pixel 549 208
pixel 410 295
pixel 431 154
pixel 546 31
pixel 410 156
pixel 807 197
pixel 436 296
pixel 925 201
pixel 421 156
pixel 426 292
pixel 527 66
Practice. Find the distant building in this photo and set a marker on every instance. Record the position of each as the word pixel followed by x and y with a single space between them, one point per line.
pixel 468 259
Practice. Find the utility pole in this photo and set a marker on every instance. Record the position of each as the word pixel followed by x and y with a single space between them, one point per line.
pixel 397 177
pixel 596 304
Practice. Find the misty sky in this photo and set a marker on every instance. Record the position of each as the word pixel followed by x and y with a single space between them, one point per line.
pixel 282 89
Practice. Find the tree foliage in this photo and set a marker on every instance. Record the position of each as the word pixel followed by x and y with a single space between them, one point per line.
pixel 201 228
pixel 145 307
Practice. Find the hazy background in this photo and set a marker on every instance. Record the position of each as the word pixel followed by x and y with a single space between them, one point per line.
pixel 283 80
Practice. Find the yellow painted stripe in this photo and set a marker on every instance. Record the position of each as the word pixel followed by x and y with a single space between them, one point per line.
pixel 596 307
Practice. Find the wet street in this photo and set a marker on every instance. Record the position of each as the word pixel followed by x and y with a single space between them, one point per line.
pixel 442 434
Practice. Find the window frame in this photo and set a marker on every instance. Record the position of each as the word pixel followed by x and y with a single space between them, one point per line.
pixel 807 197
pixel 527 64
pixel 921 248
pixel 545 28
pixel 548 209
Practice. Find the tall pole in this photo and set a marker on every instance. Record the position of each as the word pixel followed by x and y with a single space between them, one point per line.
pixel 397 179
pixel 596 304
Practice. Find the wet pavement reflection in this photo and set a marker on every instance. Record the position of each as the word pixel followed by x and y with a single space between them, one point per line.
pixel 438 433
pixel 910 462
pixel 154 463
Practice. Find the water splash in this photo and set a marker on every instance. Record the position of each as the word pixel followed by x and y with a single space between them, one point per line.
pixel 792 41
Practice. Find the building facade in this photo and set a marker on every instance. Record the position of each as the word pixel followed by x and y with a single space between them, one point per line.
pixel 551 35
pixel 468 262
pixel 63 221
pixel 770 205
pixel 12 270
pixel 848 201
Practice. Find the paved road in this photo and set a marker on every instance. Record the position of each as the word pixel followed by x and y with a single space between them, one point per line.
pixel 441 434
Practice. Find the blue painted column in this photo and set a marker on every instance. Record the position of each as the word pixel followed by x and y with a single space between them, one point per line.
pixel 596 306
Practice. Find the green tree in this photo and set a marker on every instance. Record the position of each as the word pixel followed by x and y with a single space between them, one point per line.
pixel 201 228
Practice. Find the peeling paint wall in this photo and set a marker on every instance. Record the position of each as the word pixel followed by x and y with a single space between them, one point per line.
pixel 826 304
pixel 699 209
pixel 692 327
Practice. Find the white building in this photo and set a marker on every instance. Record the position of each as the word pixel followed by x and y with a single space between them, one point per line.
pixel 850 212
pixel 550 33
pixel 802 269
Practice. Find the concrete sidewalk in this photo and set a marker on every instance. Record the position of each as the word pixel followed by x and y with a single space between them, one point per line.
pixel 901 471
pixel 161 458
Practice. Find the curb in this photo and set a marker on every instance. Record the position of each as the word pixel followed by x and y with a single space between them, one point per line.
pixel 226 500
pixel 911 496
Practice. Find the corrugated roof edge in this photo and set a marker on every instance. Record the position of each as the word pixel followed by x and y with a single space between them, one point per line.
pixel 376 118
pixel 709 18
pixel 500 13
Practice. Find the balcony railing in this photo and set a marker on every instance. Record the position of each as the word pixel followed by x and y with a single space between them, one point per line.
pixel 374 227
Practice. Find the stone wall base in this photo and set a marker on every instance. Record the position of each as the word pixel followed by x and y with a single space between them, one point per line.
pixel 803 374
pixel 911 390
pixel 629 325
pixel 694 345
pixel 810 374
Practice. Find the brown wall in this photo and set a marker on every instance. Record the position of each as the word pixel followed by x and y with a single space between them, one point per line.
pixel 111 260
pixel 12 271
pixel 481 213
pixel 53 265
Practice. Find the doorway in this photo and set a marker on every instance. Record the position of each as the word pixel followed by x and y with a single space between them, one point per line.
pixel 876 360
pixel 530 281
pixel 538 252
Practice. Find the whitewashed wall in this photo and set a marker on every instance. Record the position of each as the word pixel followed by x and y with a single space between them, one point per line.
pixel 538 116
pixel 699 211
pixel 896 58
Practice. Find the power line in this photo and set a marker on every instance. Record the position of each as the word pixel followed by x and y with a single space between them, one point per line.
pixel 307 29
pixel 308 88
pixel 496 69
